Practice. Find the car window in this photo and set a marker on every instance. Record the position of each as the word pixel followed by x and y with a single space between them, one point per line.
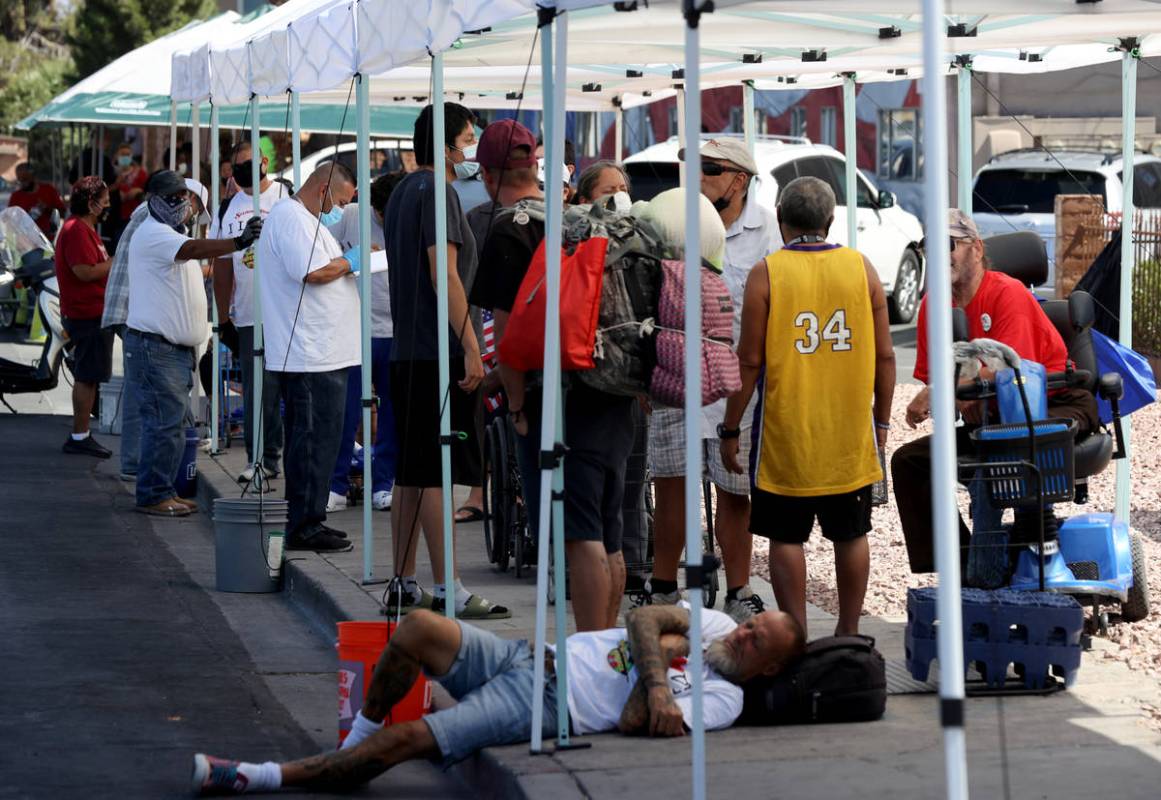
pixel 1021 191
pixel 388 161
pixel 1146 185
pixel 821 168
pixel 784 175
pixel 650 178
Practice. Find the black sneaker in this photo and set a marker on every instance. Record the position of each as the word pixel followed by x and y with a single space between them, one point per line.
pixel 333 531
pixel 86 447
pixel 318 539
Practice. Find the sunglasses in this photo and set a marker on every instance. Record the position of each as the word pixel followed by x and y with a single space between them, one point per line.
pixel 712 169
pixel 952 242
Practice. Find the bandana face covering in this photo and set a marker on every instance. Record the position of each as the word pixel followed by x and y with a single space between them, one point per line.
pixel 170 211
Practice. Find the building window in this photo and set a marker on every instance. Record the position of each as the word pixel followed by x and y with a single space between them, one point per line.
pixel 900 144
pixel 827 129
pixel 798 121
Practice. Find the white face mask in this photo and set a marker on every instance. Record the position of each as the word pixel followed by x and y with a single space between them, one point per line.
pixel 467 169
pixel 621 202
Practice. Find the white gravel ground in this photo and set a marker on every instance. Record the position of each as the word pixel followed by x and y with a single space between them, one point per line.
pixel 1137 645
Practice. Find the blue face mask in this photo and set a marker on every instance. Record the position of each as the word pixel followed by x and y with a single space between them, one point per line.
pixel 332 217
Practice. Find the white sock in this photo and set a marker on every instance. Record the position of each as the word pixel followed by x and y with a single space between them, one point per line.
pixel 361 728
pixel 438 591
pixel 261 777
pixel 462 596
pixel 412 585
pixel 80 437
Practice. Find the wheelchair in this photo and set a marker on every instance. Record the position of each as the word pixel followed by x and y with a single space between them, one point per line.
pixel 1092 556
pixel 507 533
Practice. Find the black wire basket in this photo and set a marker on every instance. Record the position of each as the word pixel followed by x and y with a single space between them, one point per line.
pixel 1006 462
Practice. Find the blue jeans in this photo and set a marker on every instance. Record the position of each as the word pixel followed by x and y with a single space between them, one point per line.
pixel 492 679
pixel 130 401
pixel 386 448
pixel 161 374
pixel 314 425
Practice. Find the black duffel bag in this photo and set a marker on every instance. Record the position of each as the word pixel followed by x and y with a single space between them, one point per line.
pixel 837 679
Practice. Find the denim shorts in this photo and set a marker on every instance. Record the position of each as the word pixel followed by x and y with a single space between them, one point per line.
pixel 492 680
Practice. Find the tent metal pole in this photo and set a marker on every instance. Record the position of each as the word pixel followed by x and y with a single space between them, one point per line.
pixel 173 135
pixel 749 120
pixel 195 120
pixel 296 137
pixel 215 343
pixel 363 179
pixel 259 347
pixel 681 138
pixel 95 163
pixel 851 151
pixel 618 133
pixel 551 380
pixel 950 644
pixel 549 436
pixel 439 148
pixel 693 461
pixel 963 136
pixel 1129 55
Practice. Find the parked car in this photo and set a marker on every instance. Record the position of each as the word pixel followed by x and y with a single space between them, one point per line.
pixel 1017 191
pixel 887 235
pixel 387 152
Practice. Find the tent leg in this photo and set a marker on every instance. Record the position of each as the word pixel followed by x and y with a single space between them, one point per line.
pixel 850 148
pixel 682 139
pixel 618 133
pixel 296 138
pixel 195 173
pixel 1129 56
pixel 173 135
pixel 963 137
pixel 215 343
pixel 950 645
pixel 693 462
pixel 363 179
pixel 257 416
pixel 749 120
pixel 438 115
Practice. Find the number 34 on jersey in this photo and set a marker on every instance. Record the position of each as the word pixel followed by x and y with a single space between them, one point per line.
pixel 834 332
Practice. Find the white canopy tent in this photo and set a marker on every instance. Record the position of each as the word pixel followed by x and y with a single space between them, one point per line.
pixel 324 43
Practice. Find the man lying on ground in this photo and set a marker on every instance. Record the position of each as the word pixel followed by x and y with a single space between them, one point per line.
pixel 630 679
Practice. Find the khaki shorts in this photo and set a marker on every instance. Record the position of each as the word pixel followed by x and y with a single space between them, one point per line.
pixel 667 452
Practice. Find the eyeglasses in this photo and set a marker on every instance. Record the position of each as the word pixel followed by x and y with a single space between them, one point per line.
pixel 711 169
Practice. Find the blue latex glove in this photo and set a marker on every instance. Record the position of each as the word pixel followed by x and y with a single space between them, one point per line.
pixel 354 258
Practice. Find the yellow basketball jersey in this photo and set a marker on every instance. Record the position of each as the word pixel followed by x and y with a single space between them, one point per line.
pixel 816 432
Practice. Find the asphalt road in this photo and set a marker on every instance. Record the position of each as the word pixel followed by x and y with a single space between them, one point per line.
pixel 119 661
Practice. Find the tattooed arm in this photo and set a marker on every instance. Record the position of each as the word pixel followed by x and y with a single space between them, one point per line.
pixel 635 716
pixel 645 628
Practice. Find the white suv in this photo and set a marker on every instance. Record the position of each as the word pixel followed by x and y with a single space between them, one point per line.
pixel 1017 190
pixel 888 235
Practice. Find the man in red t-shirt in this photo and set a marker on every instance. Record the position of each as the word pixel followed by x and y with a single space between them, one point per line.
pixel 37 198
pixel 997 307
pixel 82 267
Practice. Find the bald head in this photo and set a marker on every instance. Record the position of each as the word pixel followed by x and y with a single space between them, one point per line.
pixel 806 206
pixel 330 185
pixel 762 645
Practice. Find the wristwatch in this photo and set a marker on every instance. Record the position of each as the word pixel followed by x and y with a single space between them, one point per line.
pixel 728 433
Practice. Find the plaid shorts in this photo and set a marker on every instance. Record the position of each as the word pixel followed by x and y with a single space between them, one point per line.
pixel 667 452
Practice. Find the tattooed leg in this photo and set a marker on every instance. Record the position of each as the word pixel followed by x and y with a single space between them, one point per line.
pixel 343 770
pixel 422 640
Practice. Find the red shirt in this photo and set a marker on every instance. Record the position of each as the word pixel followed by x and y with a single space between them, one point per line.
pixel 126 182
pixel 77 243
pixel 44 196
pixel 1003 309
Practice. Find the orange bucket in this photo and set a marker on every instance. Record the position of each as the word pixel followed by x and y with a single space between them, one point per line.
pixel 360 645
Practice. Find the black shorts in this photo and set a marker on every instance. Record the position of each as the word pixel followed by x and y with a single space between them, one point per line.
pixel 789 520
pixel 92 349
pixel 416 404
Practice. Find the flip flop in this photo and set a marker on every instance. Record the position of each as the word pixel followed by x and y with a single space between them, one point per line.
pixel 166 508
pixel 479 608
pixel 192 505
pixel 474 514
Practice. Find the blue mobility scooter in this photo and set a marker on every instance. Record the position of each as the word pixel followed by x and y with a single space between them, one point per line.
pixel 1030 462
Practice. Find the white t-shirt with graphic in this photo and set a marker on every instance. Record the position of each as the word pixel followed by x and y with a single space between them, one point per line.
pixel 601 675
pixel 237 214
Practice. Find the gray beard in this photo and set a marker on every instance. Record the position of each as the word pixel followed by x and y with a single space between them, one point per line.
pixel 722 661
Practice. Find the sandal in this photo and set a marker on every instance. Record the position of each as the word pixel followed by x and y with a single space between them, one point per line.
pixel 479 608
pixel 191 504
pixel 470 514
pixel 166 508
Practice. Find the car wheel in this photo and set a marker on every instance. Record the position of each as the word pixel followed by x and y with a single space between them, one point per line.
pixel 904 300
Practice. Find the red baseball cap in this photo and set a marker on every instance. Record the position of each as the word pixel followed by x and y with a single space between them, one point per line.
pixel 499 139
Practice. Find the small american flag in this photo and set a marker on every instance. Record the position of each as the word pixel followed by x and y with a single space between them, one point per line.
pixel 492 402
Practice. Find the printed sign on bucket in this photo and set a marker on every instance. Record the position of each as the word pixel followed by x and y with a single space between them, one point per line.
pixel 350 694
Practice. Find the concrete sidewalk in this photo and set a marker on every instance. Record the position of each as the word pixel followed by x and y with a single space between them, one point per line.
pixel 1086 742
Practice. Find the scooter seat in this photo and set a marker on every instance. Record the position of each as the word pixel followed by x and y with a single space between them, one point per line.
pixel 1092 454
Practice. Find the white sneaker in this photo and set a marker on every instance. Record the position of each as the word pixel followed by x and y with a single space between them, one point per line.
pixel 381 500
pixel 336 502
pixel 246 475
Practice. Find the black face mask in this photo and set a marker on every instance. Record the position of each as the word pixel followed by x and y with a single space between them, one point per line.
pixel 244 174
pixel 103 215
